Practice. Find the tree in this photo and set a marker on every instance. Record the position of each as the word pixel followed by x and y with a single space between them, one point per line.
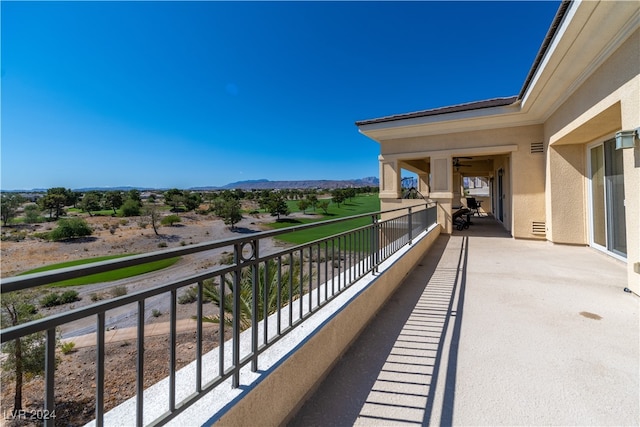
pixel 69 228
pixel 91 202
pixel 277 205
pixel 267 282
pixel 313 200
pixel 55 200
pixel 135 196
pixel 152 212
pixel 174 198
pixel 231 212
pixel 9 204
pixel 303 205
pixel 191 200
pixel 131 207
pixel 349 193
pixel 264 199
pixel 113 200
pixel 32 214
pixel 26 355
pixel 73 197
pixel 338 197
pixel 324 205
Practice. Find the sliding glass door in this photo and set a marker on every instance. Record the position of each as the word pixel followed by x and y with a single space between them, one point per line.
pixel 608 227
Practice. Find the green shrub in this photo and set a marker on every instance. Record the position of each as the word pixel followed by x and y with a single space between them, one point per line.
pixel 162 244
pixel 54 299
pixel 32 214
pixel 130 208
pixel 156 313
pixel 170 220
pixel 67 347
pixel 69 296
pixel 71 228
pixel 50 300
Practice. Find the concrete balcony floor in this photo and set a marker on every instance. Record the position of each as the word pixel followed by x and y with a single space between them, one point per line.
pixel 488 330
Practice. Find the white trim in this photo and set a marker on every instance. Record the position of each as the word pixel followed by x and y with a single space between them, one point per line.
pixel 592 243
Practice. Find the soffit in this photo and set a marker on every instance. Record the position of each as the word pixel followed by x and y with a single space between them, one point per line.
pixel 602 124
pixel 589 34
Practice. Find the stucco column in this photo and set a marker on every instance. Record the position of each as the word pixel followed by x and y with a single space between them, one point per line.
pixel 442 190
pixel 389 179
pixel 423 183
pixel 565 197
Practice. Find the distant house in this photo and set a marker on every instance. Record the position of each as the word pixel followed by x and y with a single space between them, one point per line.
pixel 554 156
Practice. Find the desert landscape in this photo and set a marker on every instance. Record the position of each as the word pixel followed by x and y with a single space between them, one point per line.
pixel 75 374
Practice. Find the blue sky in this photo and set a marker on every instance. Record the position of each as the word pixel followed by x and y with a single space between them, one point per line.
pixel 185 94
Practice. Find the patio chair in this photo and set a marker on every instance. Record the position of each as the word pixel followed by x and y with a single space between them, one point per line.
pixel 474 205
pixel 458 218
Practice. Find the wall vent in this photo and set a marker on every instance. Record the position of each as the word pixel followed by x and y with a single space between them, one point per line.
pixel 538 227
pixel 537 147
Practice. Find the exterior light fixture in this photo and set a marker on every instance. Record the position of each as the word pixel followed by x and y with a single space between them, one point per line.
pixel 626 139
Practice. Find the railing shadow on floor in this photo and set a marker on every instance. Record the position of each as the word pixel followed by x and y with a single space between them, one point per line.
pixel 391 372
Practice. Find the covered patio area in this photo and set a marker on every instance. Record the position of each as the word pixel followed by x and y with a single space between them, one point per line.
pixel 490 330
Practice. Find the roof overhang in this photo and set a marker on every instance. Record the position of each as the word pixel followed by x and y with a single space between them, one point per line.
pixel 569 55
pixel 408 126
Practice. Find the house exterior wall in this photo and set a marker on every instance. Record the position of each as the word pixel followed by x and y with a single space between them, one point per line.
pixel 584 89
pixel 524 179
pixel 608 101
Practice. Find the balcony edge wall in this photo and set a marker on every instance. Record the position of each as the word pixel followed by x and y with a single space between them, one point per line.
pixel 281 393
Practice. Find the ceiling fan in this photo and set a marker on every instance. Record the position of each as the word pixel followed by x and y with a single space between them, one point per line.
pixel 457 164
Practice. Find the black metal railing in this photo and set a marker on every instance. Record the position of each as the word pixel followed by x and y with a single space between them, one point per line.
pixel 268 293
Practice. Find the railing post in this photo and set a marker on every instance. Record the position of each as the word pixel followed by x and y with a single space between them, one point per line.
pixel 255 272
pixel 237 249
pixel 375 242
pixel 50 369
pixel 410 225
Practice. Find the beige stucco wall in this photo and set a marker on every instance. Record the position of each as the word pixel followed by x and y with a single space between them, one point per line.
pixel 524 191
pixel 607 102
pixel 566 214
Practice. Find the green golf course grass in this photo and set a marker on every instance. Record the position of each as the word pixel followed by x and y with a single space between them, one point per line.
pixel 358 205
pixel 107 276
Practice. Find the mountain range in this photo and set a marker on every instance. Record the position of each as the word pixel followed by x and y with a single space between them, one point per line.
pixel 265 184
pixel 257 184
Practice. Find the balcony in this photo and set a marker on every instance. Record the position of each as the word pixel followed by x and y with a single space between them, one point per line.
pixel 482 329
pixel 489 330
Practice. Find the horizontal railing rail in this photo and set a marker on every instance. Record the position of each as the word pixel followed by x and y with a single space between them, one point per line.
pixel 266 293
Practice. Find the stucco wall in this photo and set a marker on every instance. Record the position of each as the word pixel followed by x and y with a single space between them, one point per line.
pixel 607 102
pixel 524 180
pixel 566 215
